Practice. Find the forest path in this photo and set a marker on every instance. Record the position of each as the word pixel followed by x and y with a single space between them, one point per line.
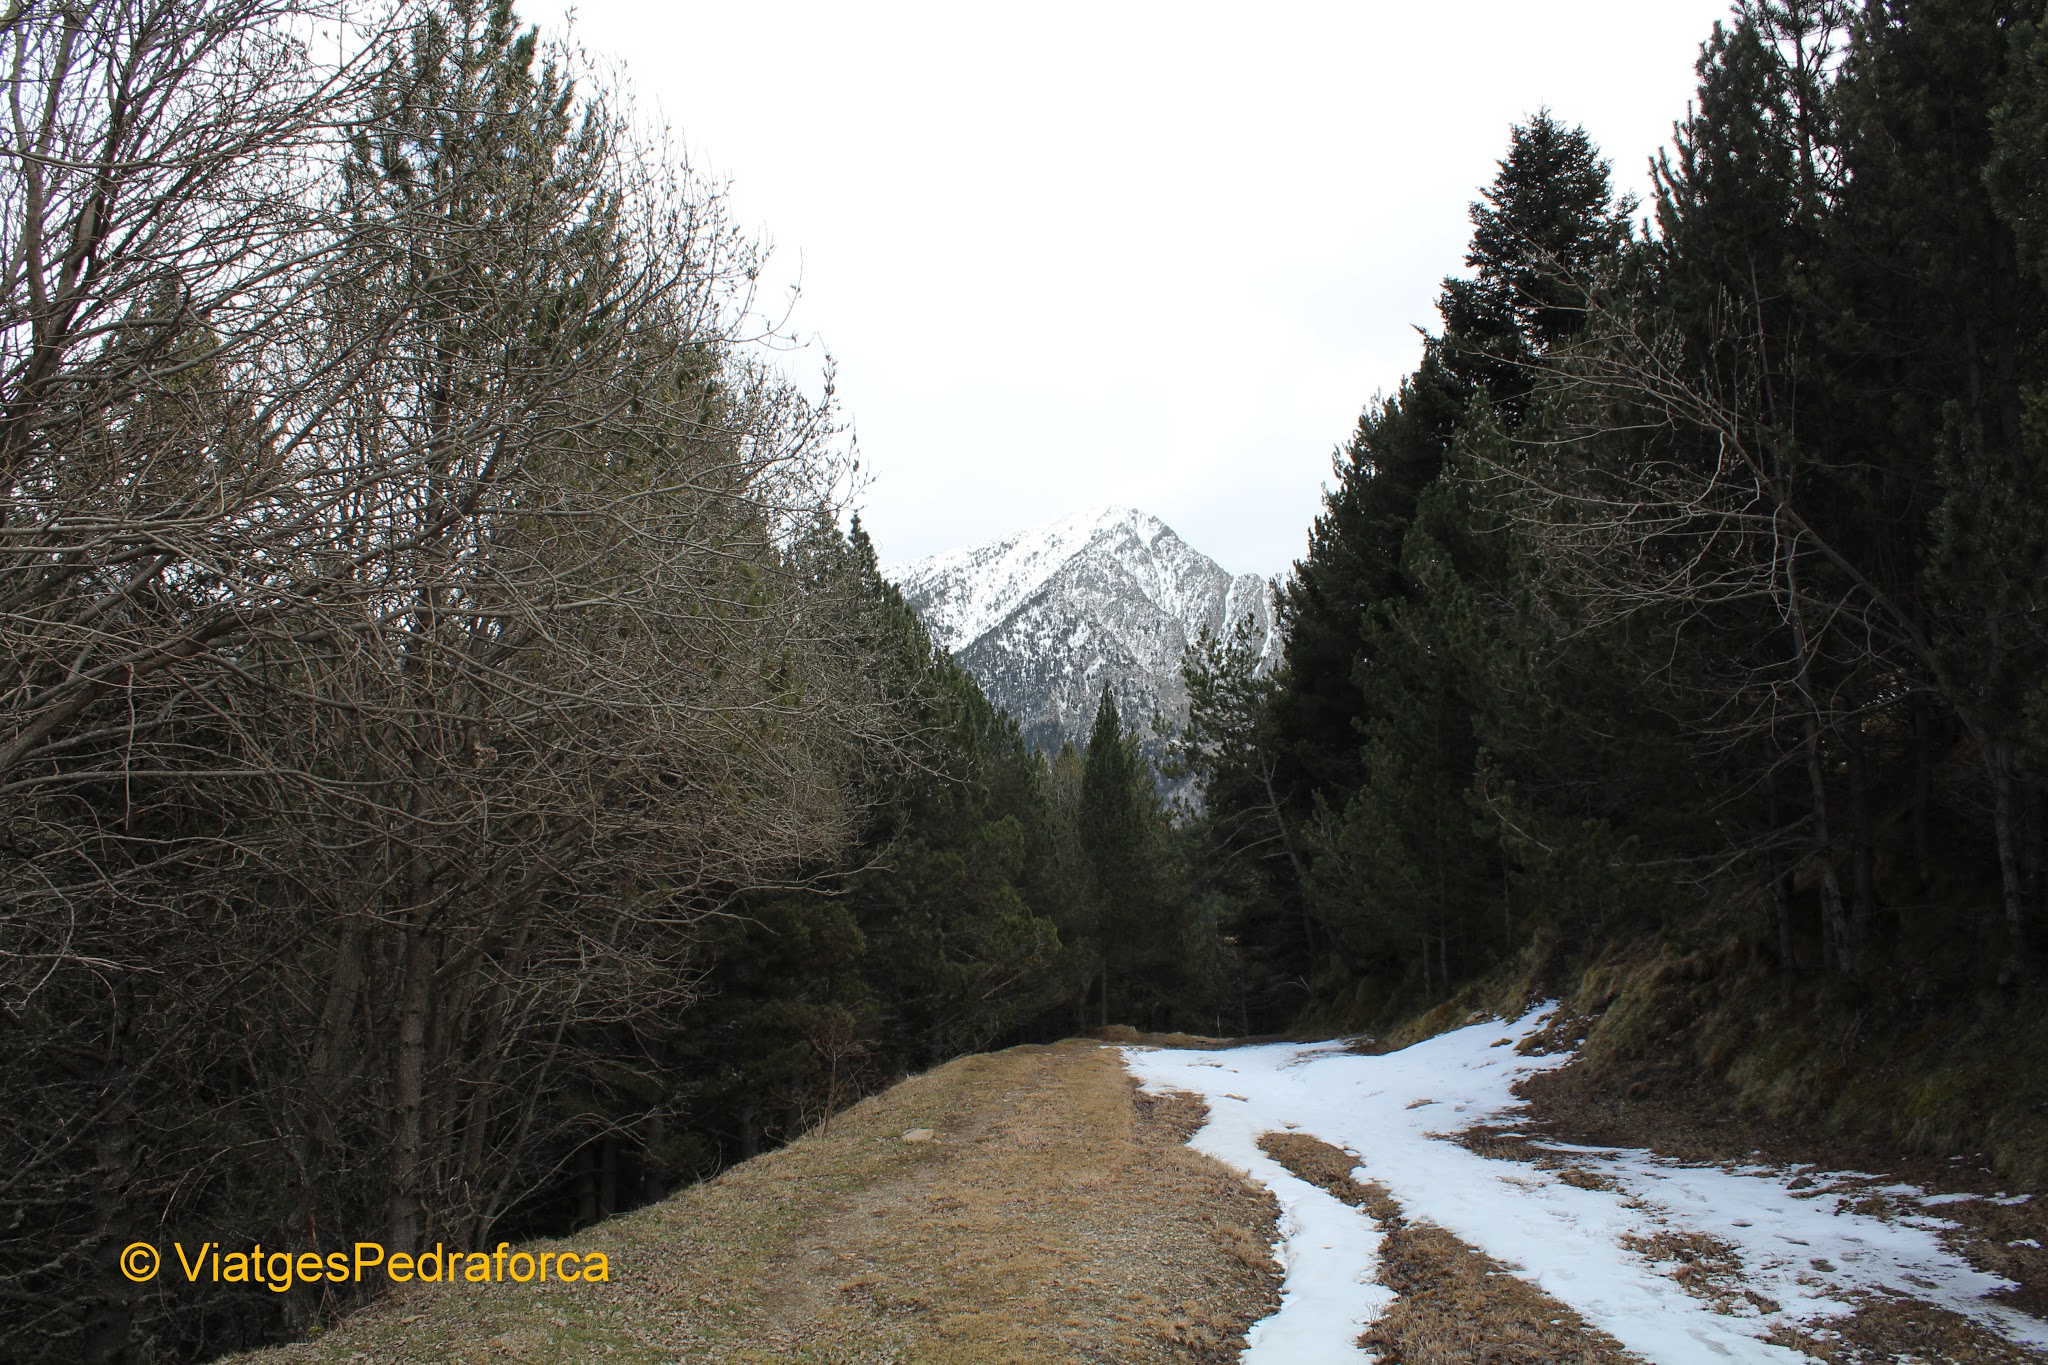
pixel 1033 1206
pixel 1053 1214
pixel 1429 1205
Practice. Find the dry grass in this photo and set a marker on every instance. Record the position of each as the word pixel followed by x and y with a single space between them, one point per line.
pixel 1511 1144
pixel 1456 1305
pixel 1704 1267
pixel 1893 1331
pixel 1054 1216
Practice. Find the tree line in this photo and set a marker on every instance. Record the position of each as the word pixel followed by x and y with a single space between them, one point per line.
pixel 461 780
pixel 457 777
pixel 1698 574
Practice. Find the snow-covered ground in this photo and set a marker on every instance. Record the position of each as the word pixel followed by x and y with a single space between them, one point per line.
pixel 1804 1250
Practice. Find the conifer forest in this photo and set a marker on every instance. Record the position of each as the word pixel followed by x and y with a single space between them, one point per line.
pixel 463 772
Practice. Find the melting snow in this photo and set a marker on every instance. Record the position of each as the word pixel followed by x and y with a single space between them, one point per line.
pixel 1805 1250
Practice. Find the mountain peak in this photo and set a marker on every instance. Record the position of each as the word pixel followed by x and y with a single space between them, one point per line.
pixel 1045 617
pixel 1110 517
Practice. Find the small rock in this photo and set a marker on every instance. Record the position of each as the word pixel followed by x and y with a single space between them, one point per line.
pixel 919 1135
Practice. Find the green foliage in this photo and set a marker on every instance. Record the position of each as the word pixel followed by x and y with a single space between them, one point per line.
pixel 1691 570
pixel 939 935
pixel 1244 855
pixel 1547 221
pixel 2017 171
pixel 1139 911
pixel 1399 620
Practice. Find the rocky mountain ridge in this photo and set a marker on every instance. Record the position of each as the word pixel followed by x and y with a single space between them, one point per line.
pixel 1045 617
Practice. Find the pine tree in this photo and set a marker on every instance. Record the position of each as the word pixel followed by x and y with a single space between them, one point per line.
pixel 958 952
pixel 940 936
pixel 1950 362
pixel 1069 892
pixel 1125 836
pixel 1244 848
pixel 1369 607
pixel 1545 225
pixel 1542 225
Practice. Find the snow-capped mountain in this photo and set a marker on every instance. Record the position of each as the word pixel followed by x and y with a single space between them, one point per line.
pixel 1045 617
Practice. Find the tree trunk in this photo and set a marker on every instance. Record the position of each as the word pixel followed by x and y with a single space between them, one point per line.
pixel 1863 852
pixel 1294 862
pixel 1923 785
pixel 1835 937
pixel 408 1154
pixel 107 1341
pixel 1777 889
pixel 323 1078
pixel 1507 902
pixel 2032 851
pixel 1781 910
pixel 2005 817
pixel 586 1185
pixel 651 1185
pixel 1836 948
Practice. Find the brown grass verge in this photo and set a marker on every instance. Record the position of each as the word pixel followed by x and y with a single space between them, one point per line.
pixel 1123 1035
pixel 1456 1305
pixel 1893 1331
pixel 1053 1216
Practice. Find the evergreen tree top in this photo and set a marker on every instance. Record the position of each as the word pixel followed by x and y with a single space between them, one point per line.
pixel 1538 233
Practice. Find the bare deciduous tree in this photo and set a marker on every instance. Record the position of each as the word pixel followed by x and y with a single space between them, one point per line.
pixel 411 617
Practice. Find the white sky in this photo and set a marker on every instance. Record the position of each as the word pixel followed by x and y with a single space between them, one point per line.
pixel 1157 254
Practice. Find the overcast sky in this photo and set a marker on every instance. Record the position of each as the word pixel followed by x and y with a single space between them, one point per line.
pixel 1157 254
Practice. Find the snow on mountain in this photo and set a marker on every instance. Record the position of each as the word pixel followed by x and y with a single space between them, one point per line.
pixel 1044 618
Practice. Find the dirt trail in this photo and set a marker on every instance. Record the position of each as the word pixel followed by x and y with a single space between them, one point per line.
pixel 1031 1206
pixel 1052 1215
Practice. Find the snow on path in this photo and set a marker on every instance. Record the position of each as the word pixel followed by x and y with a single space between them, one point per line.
pixel 1396 1114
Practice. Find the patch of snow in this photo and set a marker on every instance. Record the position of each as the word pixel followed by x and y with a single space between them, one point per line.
pixel 1329 1252
pixel 1806 1250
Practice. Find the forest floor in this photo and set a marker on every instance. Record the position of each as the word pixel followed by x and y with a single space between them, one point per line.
pixel 1036 1205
